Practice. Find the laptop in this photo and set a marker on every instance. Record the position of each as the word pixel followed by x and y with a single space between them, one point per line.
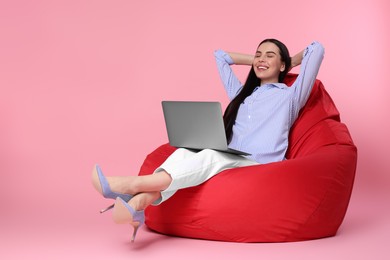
pixel 196 125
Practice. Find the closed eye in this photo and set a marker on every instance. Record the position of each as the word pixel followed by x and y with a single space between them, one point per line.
pixel 268 54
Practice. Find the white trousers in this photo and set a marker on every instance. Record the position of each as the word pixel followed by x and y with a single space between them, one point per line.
pixel 188 168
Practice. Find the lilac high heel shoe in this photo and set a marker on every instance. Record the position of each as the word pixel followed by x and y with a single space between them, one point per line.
pixel 125 214
pixel 102 186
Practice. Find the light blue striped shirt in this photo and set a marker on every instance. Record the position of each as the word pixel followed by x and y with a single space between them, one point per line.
pixel 265 117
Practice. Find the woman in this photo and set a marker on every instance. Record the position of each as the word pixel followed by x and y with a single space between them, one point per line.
pixel 257 121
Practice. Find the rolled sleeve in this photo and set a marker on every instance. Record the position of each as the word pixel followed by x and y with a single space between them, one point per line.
pixel 230 81
pixel 311 62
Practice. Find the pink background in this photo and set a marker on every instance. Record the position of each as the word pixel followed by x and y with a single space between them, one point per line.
pixel 81 83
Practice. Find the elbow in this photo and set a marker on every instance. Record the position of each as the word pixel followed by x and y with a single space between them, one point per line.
pixel 318 47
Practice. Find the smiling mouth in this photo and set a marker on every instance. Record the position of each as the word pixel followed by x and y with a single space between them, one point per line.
pixel 262 67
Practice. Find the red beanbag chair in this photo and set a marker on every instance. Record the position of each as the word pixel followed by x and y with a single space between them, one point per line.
pixel 304 197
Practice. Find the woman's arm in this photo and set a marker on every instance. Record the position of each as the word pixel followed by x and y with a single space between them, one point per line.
pixel 247 59
pixel 230 81
pixel 296 60
pixel 310 64
pixel 241 59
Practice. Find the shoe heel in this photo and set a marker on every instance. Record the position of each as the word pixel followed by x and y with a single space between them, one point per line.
pixel 134 233
pixel 125 214
pixel 108 208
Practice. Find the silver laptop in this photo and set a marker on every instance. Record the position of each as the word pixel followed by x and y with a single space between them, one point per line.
pixel 196 125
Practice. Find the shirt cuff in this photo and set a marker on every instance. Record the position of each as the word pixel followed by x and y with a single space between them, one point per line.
pixel 310 47
pixel 222 54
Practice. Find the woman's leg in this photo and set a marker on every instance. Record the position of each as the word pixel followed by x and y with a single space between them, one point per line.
pixel 183 169
pixel 191 170
pixel 136 184
pixel 196 168
pixel 158 181
pixel 142 200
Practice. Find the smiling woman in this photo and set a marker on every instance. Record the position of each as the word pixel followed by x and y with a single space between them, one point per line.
pixel 257 121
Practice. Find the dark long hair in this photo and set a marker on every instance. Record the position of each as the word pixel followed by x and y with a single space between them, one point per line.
pixel 251 83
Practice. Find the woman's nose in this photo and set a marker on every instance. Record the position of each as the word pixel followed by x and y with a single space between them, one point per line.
pixel 261 58
pixel 258 59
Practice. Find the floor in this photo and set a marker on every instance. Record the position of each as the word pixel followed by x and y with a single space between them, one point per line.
pixel 56 231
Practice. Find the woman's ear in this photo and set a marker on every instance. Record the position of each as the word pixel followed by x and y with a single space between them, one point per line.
pixel 283 67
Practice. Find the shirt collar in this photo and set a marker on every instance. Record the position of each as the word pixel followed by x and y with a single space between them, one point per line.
pixel 278 85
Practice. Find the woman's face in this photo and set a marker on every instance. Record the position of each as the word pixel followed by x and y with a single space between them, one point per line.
pixel 267 63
